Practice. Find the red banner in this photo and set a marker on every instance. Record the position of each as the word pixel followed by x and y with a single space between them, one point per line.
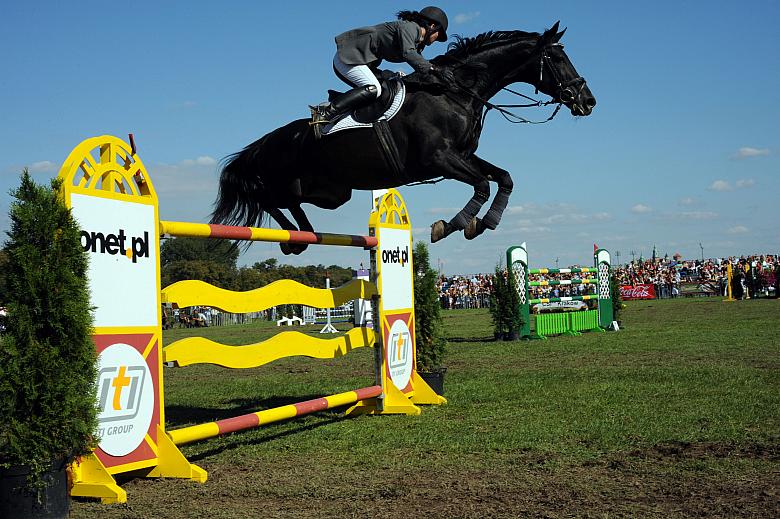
pixel 628 292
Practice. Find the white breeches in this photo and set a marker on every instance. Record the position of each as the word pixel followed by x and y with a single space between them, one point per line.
pixel 357 75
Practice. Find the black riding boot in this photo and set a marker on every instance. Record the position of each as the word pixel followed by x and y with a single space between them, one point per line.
pixel 346 102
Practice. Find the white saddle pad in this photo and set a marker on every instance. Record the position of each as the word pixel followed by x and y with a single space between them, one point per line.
pixel 346 122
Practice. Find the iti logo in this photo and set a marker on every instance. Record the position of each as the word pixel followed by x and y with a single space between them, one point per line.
pixel 400 354
pixel 125 398
pixel 112 244
pixel 120 389
pixel 400 344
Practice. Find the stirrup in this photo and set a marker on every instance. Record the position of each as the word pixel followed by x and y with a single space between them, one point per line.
pixel 318 115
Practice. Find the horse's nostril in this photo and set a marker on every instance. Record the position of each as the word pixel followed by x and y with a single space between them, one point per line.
pixel 590 102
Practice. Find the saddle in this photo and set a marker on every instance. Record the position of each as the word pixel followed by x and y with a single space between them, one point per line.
pixel 376 116
pixel 372 112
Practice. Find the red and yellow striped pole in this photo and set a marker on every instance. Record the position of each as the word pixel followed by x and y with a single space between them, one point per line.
pixel 268 416
pixel 230 232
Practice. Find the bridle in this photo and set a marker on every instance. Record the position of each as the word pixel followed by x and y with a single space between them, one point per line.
pixel 567 91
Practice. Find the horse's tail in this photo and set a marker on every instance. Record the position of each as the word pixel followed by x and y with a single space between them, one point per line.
pixel 241 189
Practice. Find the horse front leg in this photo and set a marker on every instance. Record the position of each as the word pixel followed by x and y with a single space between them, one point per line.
pixel 493 216
pixel 287 225
pixel 466 172
pixel 303 224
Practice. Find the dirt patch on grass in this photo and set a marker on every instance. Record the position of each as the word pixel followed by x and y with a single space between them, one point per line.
pixel 669 480
pixel 681 450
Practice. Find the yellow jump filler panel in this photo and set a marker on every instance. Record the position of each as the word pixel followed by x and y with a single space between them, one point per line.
pixel 113 198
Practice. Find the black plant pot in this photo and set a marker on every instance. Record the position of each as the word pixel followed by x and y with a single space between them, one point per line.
pixel 435 379
pixel 512 336
pixel 18 500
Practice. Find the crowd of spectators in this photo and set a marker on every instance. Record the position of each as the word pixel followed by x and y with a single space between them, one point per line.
pixel 465 291
pixel 203 316
pixel 473 291
pixel 578 289
pixel 753 276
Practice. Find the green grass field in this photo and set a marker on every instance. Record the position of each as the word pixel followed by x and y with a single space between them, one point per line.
pixel 676 415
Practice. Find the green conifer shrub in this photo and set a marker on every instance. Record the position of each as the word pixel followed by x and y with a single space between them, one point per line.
pixel 47 356
pixel 505 306
pixel 617 299
pixel 428 329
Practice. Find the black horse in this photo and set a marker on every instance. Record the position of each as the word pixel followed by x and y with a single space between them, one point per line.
pixel 437 133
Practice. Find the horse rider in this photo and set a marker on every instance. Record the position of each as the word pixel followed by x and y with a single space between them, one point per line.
pixel 360 51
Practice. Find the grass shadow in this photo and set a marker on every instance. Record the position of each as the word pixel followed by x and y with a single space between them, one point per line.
pixel 329 417
pixel 471 339
pixel 182 415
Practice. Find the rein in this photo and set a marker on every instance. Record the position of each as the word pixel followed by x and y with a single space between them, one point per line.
pixel 502 108
pixel 511 116
pixel 565 93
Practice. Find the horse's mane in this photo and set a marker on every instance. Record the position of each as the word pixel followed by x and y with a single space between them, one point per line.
pixel 464 46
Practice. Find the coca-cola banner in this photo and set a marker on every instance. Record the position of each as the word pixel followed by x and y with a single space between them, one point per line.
pixel 637 292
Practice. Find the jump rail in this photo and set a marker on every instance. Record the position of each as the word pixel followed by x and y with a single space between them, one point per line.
pixel 112 196
pixel 229 232
pixel 569 323
pixel 269 416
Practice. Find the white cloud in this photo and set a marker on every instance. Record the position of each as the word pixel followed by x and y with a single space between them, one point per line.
pixel 534 229
pixel 695 215
pixel 724 185
pixel 641 209
pixel 200 161
pixel 687 201
pixel 188 176
pixel 442 211
pixel 421 233
pixel 738 229
pixel 720 185
pixel 747 152
pixel 43 166
pixel 465 17
pixel 542 217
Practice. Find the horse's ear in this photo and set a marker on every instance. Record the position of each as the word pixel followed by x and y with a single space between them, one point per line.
pixel 549 35
pixel 560 35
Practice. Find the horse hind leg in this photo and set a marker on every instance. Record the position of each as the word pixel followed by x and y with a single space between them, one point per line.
pixel 466 216
pixel 287 225
pixel 493 216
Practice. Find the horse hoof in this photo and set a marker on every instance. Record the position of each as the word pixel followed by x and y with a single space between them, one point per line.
pixel 437 231
pixel 292 248
pixel 473 229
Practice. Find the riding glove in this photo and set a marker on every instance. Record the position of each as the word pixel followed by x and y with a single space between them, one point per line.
pixel 444 75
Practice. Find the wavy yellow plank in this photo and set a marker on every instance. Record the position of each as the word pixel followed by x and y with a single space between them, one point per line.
pixel 282 292
pixel 198 350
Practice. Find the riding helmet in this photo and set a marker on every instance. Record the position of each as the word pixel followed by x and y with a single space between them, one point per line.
pixel 437 16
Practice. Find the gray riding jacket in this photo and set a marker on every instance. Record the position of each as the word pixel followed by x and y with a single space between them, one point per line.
pixel 395 42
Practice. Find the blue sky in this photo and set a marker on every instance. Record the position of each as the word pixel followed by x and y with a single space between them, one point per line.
pixel 682 148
